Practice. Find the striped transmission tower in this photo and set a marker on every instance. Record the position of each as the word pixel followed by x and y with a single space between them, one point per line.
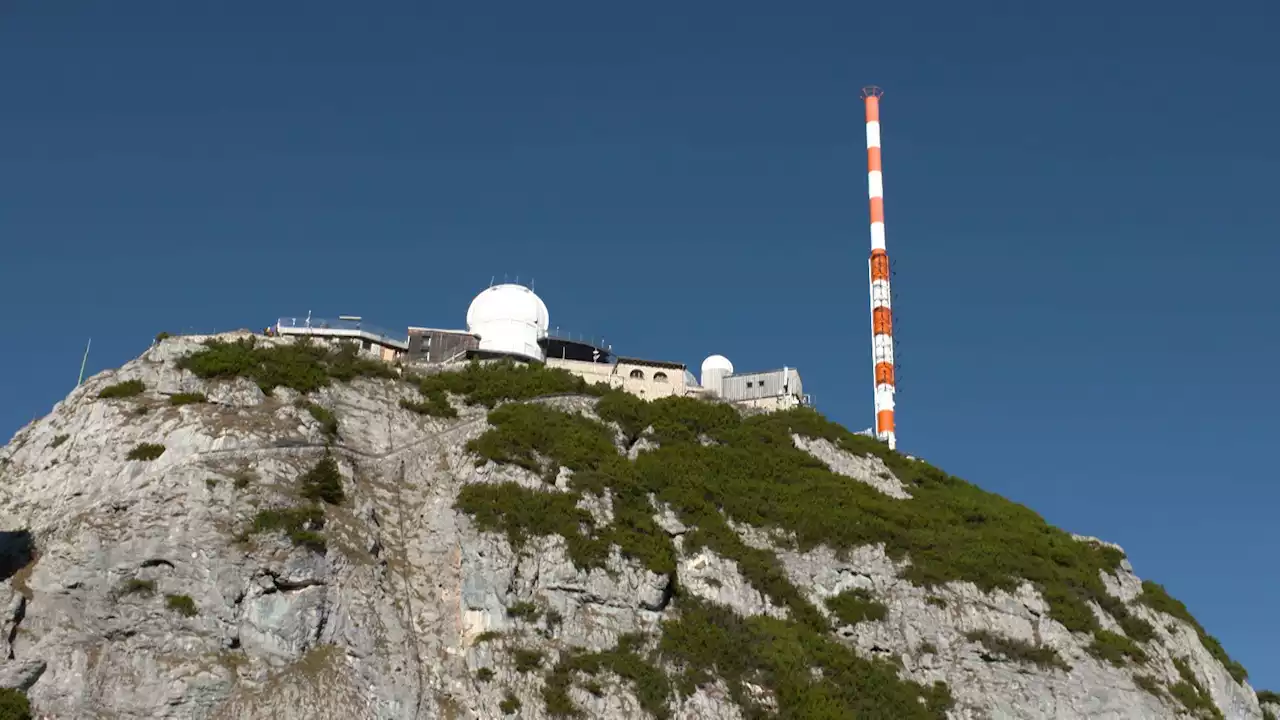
pixel 878 266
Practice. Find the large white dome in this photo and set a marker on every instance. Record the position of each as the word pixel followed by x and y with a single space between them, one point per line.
pixel 509 318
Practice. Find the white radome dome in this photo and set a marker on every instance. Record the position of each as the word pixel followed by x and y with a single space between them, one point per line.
pixel 714 369
pixel 509 318
pixel 717 362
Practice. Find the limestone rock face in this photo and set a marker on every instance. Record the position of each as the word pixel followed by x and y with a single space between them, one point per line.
pixel 133 589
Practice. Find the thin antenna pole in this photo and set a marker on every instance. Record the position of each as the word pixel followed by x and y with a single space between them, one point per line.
pixel 878 271
pixel 84 362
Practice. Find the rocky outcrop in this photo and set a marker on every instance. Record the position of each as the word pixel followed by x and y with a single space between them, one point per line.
pixel 139 588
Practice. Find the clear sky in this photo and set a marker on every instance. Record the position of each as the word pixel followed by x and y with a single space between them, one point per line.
pixel 1080 203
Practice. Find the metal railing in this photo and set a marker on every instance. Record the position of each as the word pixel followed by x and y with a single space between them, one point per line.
pixel 562 334
pixel 320 324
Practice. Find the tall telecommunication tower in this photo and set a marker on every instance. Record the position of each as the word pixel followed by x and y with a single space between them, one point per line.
pixel 878 268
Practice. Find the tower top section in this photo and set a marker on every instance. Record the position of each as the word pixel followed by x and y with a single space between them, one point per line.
pixel 871 91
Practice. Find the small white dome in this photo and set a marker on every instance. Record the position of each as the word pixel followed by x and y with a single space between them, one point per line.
pixel 509 318
pixel 717 362
pixel 714 369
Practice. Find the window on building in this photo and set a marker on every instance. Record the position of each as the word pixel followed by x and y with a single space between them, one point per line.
pixel 637 374
pixel 660 377
pixel 748 383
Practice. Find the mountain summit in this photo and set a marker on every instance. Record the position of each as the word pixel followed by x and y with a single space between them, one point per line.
pixel 246 527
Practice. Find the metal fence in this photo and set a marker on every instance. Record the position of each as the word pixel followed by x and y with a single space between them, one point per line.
pixel 313 323
pixel 561 334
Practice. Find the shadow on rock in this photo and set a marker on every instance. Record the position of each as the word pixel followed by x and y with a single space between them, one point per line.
pixel 17 549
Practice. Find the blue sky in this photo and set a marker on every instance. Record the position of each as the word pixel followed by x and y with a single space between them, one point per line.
pixel 1080 208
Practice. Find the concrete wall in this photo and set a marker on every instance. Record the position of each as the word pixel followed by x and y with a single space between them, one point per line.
pixel 644 381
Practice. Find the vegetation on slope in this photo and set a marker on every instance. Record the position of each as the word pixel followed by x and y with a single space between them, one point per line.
pixel 712 466
pixel 998 646
pixel 14 705
pixel 302 366
pixel 1157 598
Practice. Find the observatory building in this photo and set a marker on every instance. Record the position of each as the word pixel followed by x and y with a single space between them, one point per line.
pixel 511 321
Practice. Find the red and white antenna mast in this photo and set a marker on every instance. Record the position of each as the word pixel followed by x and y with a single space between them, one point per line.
pixel 878 267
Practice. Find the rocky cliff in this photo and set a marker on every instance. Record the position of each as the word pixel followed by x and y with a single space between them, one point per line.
pixel 252 528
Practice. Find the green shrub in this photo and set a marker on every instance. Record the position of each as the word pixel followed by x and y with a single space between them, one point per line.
pixel 181 604
pixel 484 674
pixel 650 684
pixel 302 366
pixel 302 525
pixel 1150 684
pixel 162 336
pixel 58 440
pixel 179 399
pixel 527 660
pixel 854 606
pixel 936 601
pixel 1268 696
pixel 14 705
pixel 145 452
pixel 436 405
pixel 1267 714
pixel 1115 648
pixel 525 432
pixel 328 421
pixel 510 704
pixel 712 466
pixel 126 389
pixel 525 610
pixel 521 513
pixel 486 636
pixel 1157 598
pixel 1192 694
pixel 134 586
pixel 323 483
pixel 1018 650
pixel 708 641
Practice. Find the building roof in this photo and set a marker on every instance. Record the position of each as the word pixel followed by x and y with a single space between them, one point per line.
pixel 413 330
pixel 651 363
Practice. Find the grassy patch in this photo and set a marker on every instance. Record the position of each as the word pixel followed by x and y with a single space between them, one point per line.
pixel 527 660
pixel 491 383
pixel 1150 684
pixel 14 705
pixel 510 704
pixel 525 610
pixel 1157 598
pixel 134 586
pixel 712 466
pixel 1192 694
pixel 181 604
pixel 323 483
pixel 302 365
pixel 1268 696
pixel 853 606
pixel 936 601
pixel 1115 648
pixel 651 686
pixel 145 452
pixel 487 636
pixel 58 440
pixel 485 674
pixel 707 641
pixel 180 399
pixel 328 421
pixel 126 389
pixel 1000 647
pixel 302 525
